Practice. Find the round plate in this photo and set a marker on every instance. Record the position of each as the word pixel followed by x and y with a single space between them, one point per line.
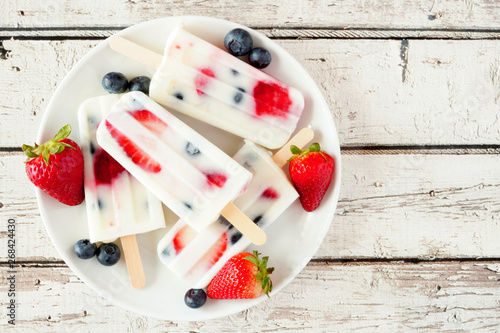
pixel 292 239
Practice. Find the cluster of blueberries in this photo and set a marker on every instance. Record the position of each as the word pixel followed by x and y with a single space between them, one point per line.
pixel 117 83
pixel 107 254
pixel 238 42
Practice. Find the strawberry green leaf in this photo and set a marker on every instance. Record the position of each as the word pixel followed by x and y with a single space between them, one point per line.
pixel 46 156
pixel 295 150
pixel 314 147
pixel 63 133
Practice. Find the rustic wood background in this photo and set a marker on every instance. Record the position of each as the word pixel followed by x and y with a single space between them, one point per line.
pixel 414 90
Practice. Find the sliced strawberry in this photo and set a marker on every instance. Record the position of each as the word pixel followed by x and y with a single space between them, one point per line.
pixel 202 80
pixel 217 179
pixel 138 156
pixel 270 193
pixel 182 238
pixel 105 167
pixel 271 99
pixel 215 252
pixel 149 120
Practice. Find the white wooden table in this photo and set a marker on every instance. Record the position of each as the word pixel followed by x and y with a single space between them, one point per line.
pixel 414 90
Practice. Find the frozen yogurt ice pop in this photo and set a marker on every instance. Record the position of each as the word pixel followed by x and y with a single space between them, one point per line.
pixel 189 174
pixel 118 206
pixel 207 83
pixel 196 257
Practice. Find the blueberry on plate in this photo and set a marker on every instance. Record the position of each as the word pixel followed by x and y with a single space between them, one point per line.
pixel 195 298
pixel 238 42
pixel 259 57
pixel 140 83
pixel 115 83
pixel 108 254
pixel 84 249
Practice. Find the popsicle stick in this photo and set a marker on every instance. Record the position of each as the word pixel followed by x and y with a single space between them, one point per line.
pixel 241 222
pixel 300 140
pixel 133 260
pixel 135 51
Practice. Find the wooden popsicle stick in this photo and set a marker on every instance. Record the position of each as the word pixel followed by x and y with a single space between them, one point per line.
pixel 133 260
pixel 135 51
pixel 300 139
pixel 241 222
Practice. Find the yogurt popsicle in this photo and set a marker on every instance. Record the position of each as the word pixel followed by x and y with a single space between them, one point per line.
pixel 189 174
pixel 195 257
pixel 207 83
pixel 117 204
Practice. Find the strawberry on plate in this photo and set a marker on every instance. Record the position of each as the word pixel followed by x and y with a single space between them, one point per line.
pixel 56 167
pixel 244 276
pixel 311 171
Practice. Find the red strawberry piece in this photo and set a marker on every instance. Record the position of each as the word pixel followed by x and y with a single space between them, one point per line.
pixel 56 167
pixel 137 156
pixel 271 99
pixel 149 120
pixel 202 80
pixel 244 276
pixel 311 171
pixel 270 193
pixel 217 179
pixel 215 252
pixel 182 238
pixel 105 167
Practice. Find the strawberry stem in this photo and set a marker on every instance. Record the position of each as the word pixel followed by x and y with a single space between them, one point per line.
pixel 51 147
pixel 263 271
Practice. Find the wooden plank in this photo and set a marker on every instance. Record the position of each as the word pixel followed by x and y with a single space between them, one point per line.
pixel 380 92
pixel 380 14
pixel 391 206
pixel 324 297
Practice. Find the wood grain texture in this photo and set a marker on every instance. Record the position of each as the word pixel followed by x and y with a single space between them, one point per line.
pixel 379 14
pixel 377 297
pixel 391 206
pixel 380 92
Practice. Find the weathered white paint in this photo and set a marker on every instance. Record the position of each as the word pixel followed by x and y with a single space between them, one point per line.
pixel 404 14
pixel 394 204
pixel 376 297
pixel 391 206
pixel 380 92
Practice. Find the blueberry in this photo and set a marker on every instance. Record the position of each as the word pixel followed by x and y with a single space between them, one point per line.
pixel 195 298
pixel 236 237
pixel 237 97
pixel 140 83
pixel 191 149
pixel 84 249
pixel 178 95
pixel 259 57
pixel 115 83
pixel 238 42
pixel 92 148
pixel 257 219
pixel 108 254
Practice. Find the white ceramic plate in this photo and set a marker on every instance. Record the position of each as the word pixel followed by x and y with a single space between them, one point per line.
pixel 292 239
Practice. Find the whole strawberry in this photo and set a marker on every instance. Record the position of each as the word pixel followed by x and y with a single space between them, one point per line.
pixel 311 171
pixel 243 276
pixel 56 167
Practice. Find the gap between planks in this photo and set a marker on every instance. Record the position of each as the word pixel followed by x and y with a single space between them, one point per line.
pixel 57 33
pixel 388 150
pixel 333 261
